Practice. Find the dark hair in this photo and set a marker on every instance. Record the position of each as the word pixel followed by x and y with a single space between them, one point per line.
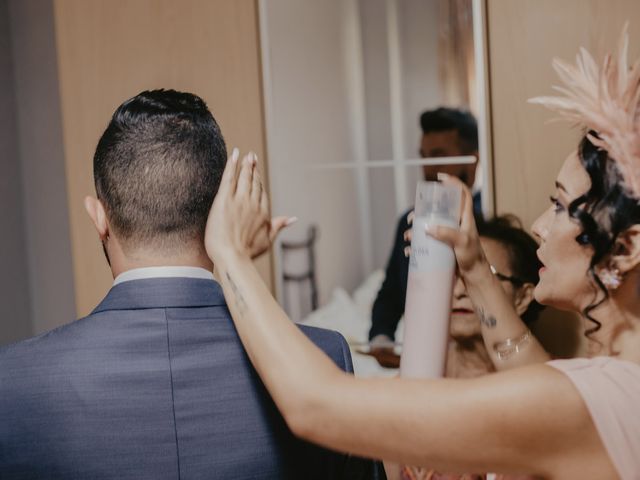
pixel 521 247
pixel 604 212
pixel 443 119
pixel 158 166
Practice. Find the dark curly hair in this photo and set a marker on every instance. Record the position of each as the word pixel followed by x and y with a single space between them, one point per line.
pixel 603 213
pixel 521 247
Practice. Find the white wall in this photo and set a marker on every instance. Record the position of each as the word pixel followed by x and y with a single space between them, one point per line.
pixel 420 30
pixel 15 320
pixel 310 109
pixel 309 125
pixel 418 27
pixel 41 173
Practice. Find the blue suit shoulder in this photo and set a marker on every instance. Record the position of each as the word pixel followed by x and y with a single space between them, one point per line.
pixel 35 358
pixel 48 339
pixel 332 343
pixel 26 353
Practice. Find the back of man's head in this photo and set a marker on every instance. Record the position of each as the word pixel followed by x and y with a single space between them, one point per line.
pixel 444 119
pixel 157 169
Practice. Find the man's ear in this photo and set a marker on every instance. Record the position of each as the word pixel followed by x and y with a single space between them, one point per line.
pixel 626 252
pixel 524 297
pixel 98 216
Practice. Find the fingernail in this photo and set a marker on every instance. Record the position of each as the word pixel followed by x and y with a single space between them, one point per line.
pixel 235 154
pixel 291 220
pixel 407 251
pixel 429 229
pixel 442 176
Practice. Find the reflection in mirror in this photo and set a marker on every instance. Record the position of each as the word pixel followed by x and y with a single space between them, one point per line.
pixel 346 83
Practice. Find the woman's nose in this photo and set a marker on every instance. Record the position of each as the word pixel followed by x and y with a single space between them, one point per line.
pixel 459 290
pixel 539 226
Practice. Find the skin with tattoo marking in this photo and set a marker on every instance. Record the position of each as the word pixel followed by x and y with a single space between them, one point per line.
pixel 538 421
pixel 238 299
pixel 486 319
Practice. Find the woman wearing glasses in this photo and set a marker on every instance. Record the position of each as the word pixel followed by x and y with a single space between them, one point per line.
pixel 555 419
pixel 511 253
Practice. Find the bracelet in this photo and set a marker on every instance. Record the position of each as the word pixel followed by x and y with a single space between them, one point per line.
pixel 505 349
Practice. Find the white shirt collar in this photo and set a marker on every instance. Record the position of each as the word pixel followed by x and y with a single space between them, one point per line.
pixel 163 272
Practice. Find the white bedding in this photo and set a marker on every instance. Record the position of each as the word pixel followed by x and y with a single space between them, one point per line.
pixel 351 316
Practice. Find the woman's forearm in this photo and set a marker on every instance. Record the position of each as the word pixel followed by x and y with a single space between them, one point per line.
pixel 290 365
pixel 451 425
pixel 498 422
pixel 502 327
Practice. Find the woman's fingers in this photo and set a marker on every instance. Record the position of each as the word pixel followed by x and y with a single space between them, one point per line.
pixel 451 236
pixel 219 237
pixel 259 204
pixel 264 210
pixel 467 222
pixel 245 178
pixel 230 174
pixel 261 197
pixel 278 224
pixel 257 189
pixel 466 207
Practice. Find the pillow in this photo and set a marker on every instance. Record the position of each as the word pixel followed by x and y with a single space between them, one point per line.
pixel 352 318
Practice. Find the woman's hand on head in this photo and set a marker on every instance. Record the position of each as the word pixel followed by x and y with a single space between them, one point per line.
pixel 239 221
pixel 465 241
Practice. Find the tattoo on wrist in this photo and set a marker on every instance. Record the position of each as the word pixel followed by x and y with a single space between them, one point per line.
pixel 486 319
pixel 239 300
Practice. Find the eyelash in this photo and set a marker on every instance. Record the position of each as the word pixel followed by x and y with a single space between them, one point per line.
pixel 558 207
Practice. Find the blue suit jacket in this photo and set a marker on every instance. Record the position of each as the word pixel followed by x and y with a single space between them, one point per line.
pixel 153 384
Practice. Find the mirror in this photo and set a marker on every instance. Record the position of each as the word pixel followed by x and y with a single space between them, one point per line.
pixel 345 84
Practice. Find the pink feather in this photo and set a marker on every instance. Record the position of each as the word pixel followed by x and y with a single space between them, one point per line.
pixel 605 99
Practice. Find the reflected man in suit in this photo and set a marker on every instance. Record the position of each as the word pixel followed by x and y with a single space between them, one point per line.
pixel 154 383
pixel 446 132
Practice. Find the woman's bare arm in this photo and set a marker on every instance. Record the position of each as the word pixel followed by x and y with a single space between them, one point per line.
pixel 497 314
pixel 530 420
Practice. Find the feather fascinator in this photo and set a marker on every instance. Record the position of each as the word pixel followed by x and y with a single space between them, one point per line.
pixel 605 99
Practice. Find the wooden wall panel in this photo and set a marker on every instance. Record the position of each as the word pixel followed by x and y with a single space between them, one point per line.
pixel 523 37
pixel 110 51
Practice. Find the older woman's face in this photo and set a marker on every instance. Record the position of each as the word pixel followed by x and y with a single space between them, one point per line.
pixel 564 281
pixel 464 322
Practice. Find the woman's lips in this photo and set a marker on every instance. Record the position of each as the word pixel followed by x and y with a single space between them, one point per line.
pixel 543 268
pixel 461 311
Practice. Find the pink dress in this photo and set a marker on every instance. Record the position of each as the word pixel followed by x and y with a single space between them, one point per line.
pixel 610 389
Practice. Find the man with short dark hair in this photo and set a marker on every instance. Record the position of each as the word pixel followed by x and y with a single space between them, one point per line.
pixel 446 132
pixel 154 383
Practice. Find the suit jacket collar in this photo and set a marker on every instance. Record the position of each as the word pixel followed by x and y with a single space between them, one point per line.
pixel 162 293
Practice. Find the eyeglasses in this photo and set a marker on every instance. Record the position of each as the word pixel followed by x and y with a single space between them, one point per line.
pixel 518 282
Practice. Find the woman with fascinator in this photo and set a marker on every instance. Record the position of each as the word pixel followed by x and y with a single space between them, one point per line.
pixel 554 419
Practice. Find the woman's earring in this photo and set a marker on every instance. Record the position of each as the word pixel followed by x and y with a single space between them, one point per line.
pixel 611 278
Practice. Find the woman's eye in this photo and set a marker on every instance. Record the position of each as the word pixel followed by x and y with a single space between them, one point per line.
pixel 557 206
